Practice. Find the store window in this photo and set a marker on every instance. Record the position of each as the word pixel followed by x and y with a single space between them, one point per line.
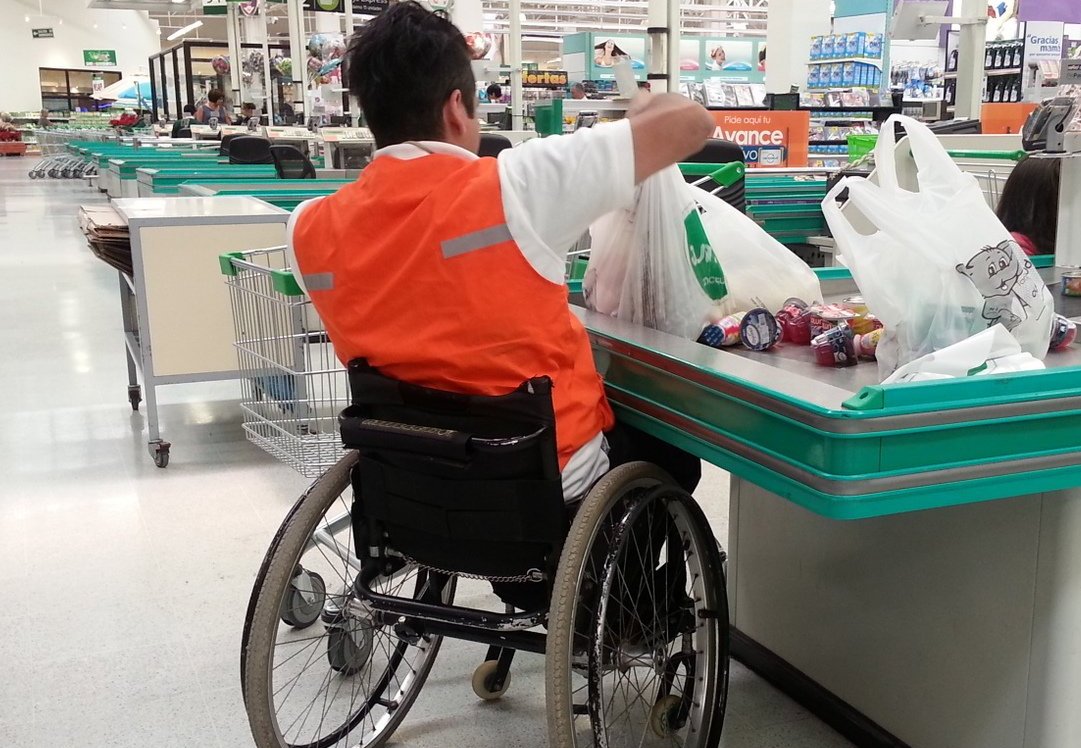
pixel 66 90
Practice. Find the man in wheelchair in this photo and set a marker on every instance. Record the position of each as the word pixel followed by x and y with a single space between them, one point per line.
pixel 479 428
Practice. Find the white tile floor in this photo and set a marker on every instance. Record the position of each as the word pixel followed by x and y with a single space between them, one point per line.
pixel 125 586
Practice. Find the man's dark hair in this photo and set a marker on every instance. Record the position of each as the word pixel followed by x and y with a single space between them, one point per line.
pixel 247 105
pixel 189 109
pixel 402 66
pixel 215 96
pixel 495 92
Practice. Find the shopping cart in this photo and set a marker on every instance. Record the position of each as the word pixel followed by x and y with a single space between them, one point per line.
pixel 293 386
pixel 58 161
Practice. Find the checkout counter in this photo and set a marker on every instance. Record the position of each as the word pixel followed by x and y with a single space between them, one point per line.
pixel 904 559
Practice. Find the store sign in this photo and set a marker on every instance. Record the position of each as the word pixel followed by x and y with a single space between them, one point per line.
pixel 1066 11
pixel 545 78
pixel 360 7
pixel 214 7
pixel 776 139
pixel 101 58
pixel 42 33
pixel 1043 40
pixel 1071 73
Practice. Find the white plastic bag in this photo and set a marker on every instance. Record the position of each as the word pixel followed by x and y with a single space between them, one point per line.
pixel 682 256
pixel 938 266
pixel 992 351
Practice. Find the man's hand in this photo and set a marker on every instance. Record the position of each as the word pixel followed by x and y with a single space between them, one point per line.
pixel 666 129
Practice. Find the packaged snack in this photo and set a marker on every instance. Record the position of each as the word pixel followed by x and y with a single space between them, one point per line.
pixel 759 330
pixel 723 333
pixel 1063 333
pixel 835 347
pixel 866 345
pixel 824 318
pixel 1071 283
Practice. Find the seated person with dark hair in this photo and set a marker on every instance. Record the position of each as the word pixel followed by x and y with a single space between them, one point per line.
pixel 495 93
pixel 248 112
pixel 447 270
pixel 1028 207
pixel 184 123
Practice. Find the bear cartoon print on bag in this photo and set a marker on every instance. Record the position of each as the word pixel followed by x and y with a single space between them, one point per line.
pixel 1005 280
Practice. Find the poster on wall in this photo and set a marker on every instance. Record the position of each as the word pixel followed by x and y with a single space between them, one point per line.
pixel 773 139
pixel 607 50
pixel 690 59
pixel 731 59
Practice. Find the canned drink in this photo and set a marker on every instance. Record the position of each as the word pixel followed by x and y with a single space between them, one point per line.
pixel 759 330
pixel 1063 333
pixel 1071 283
pixel 835 347
pixel 827 317
pixel 855 304
pixel 867 344
pixel 725 332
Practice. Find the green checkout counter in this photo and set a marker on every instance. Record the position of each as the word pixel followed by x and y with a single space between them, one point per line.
pixel 284 193
pixel 166 180
pixel 903 560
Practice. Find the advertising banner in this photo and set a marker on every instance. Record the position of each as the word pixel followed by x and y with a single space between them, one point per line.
pixel 775 139
pixel 1065 11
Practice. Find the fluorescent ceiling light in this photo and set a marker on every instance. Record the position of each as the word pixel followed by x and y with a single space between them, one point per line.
pixel 180 32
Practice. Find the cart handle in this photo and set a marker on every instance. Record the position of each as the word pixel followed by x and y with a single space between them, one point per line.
pixel 281 281
pixel 990 155
pixel 725 175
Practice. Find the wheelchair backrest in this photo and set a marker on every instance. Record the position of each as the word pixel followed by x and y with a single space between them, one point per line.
pixel 463 483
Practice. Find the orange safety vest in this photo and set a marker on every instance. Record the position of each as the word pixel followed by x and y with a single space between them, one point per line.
pixel 413 268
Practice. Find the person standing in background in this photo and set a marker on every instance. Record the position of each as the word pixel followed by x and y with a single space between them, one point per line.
pixel 43 119
pixel 213 109
pixel 578 91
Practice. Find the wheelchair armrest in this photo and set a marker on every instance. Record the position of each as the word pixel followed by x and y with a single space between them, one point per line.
pixel 373 433
pixel 359 432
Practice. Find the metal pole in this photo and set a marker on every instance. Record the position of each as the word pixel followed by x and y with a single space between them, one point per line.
pixel 516 103
pixel 235 64
pixel 657 29
pixel 673 46
pixel 971 49
pixel 268 103
pixel 297 55
pixel 354 104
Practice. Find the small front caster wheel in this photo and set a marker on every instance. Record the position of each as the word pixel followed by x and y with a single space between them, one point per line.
pixel 160 452
pixel 135 396
pixel 304 601
pixel 484 681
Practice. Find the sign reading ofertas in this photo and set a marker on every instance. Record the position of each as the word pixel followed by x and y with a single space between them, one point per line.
pixel 767 138
pixel 545 78
pixel 99 58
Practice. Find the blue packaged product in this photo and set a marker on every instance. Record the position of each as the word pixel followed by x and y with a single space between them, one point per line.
pixel 813 76
pixel 816 47
pixel 873 45
pixel 827 47
pixel 837 74
pixel 848 74
pixel 855 44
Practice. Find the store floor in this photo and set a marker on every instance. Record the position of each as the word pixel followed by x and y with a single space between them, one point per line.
pixel 124 586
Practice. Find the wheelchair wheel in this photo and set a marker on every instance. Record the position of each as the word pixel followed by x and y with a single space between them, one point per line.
pixel 638 640
pixel 350 677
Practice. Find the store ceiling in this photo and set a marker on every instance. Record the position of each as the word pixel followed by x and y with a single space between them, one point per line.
pixel 539 17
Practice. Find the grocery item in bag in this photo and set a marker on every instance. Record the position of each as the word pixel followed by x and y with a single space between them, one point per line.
pixel 683 257
pixel 935 265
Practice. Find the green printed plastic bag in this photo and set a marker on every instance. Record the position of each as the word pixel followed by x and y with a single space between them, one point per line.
pixel 707 269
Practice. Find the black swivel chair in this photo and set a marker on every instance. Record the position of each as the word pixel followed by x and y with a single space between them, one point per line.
pixel 226 140
pixel 721 152
pixel 250 149
pixel 491 144
pixel 291 163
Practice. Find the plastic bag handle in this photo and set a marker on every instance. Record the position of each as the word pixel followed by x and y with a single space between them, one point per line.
pixel 926 150
pixel 835 217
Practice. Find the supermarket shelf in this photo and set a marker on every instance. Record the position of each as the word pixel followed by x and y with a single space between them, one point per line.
pixel 992 73
pixel 876 61
pixel 840 88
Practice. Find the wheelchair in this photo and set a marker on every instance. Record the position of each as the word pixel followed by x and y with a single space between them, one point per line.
pixel 623 593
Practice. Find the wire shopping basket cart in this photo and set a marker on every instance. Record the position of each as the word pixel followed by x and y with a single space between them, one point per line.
pixel 293 386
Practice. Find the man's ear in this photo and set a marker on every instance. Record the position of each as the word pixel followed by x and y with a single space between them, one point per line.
pixel 454 115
